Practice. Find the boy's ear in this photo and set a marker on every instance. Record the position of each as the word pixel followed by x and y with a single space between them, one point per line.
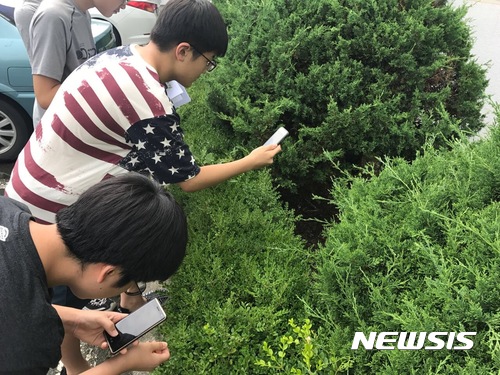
pixel 182 50
pixel 105 271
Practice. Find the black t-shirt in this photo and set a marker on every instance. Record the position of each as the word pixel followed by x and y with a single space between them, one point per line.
pixel 31 331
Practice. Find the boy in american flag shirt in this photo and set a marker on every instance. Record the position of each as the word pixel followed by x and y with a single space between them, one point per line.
pixel 112 116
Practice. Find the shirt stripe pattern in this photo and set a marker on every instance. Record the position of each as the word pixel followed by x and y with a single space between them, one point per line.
pixel 109 117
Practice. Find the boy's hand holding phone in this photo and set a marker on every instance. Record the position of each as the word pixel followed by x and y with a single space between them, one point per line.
pixel 277 137
pixel 264 155
pixel 88 325
pixel 135 325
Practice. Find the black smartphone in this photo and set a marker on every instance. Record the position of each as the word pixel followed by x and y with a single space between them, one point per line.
pixel 135 325
pixel 277 137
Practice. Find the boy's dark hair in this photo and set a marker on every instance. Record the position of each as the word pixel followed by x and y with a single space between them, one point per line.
pixel 128 221
pixel 197 22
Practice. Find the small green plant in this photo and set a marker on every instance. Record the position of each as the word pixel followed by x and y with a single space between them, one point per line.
pixel 298 354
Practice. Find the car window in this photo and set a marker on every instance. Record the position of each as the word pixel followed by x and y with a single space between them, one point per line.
pixel 7 13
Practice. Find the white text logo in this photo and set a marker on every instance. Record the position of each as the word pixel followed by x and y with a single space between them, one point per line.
pixel 414 340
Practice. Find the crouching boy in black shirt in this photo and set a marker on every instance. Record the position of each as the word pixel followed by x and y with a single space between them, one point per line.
pixel 123 230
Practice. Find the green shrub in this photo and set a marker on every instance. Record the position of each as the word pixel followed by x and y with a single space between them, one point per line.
pixel 359 79
pixel 417 249
pixel 244 276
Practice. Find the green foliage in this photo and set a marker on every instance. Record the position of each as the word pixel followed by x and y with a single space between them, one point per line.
pixel 208 141
pixel 416 246
pixel 245 273
pixel 357 78
pixel 416 249
pixel 297 354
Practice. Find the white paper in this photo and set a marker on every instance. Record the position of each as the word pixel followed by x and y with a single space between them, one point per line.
pixel 177 93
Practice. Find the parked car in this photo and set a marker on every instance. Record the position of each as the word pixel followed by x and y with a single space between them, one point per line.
pixel 134 23
pixel 16 83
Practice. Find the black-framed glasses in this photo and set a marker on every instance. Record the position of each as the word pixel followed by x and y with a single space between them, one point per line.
pixel 211 64
pixel 140 287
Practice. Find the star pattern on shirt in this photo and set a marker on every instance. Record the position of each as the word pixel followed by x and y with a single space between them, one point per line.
pixel 158 149
pixel 174 170
pixel 166 142
pixel 157 158
pixel 174 127
pixel 180 154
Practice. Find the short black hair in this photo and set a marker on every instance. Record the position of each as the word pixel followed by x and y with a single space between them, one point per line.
pixel 129 221
pixel 197 22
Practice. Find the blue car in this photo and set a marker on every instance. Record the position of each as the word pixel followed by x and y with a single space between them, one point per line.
pixel 16 83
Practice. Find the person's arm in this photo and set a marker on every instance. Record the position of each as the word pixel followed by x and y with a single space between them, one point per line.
pixel 159 149
pixel 48 58
pixel 145 356
pixel 88 325
pixel 214 174
pixel 45 89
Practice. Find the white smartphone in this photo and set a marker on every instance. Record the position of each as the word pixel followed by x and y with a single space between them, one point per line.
pixel 277 137
pixel 135 325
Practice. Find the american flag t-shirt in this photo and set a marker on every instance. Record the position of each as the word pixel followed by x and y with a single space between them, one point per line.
pixel 109 117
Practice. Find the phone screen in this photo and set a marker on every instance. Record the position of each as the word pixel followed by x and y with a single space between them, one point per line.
pixel 136 325
pixel 277 137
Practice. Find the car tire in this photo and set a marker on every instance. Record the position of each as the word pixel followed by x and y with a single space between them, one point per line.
pixel 15 130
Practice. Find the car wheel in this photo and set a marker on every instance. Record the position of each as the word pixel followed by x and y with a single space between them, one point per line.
pixel 15 129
